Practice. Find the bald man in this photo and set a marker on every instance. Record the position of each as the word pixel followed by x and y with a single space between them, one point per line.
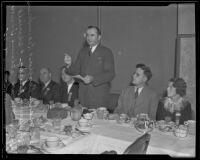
pixel 49 89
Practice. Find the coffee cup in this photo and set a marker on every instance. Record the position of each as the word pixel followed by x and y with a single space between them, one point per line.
pixel 83 122
pixel 88 116
pixel 52 142
pixel 191 124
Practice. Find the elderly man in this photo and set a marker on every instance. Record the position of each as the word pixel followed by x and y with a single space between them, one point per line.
pixel 24 88
pixel 49 89
pixel 138 98
pixel 95 64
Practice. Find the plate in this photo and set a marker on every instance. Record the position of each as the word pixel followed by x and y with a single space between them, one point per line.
pixel 84 129
pixel 50 149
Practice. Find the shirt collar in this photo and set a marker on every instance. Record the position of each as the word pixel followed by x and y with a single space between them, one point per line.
pixel 24 82
pixel 46 84
pixel 139 89
pixel 93 47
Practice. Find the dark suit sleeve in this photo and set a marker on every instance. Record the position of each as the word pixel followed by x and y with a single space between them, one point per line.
pixel 34 90
pixel 109 70
pixel 56 93
pixel 153 106
pixel 186 113
pixel 160 111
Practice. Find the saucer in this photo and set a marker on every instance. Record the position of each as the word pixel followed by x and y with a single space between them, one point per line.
pixel 45 147
pixel 84 128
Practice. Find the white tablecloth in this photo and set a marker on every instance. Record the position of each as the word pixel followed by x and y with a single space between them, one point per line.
pixel 108 135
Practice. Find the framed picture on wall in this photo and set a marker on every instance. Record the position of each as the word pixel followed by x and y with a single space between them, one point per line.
pixel 186 64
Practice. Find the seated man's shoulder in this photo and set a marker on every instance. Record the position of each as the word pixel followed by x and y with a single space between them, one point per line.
pixel 128 89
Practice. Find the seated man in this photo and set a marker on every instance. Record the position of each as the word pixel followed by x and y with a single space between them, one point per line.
pixel 68 88
pixel 48 89
pixel 138 98
pixel 24 88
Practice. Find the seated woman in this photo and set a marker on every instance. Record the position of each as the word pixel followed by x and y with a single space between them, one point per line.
pixel 68 88
pixel 174 102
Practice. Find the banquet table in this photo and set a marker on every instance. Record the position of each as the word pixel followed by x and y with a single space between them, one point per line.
pixel 106 135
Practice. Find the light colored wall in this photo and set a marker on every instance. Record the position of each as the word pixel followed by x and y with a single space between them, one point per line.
pixel 187 66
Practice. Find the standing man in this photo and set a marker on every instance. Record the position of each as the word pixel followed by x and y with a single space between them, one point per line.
pixel 49 89
pixel 138 98
pixel 95 63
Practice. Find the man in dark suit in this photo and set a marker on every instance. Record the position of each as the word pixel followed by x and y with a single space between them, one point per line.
pixel 24 88
pixel 95 64
pixel 68 88
pixel 138 98
pixel 49 89
pixel 7 84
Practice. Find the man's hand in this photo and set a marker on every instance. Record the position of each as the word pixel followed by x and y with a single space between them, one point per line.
pixel 88 79
pixel 68 59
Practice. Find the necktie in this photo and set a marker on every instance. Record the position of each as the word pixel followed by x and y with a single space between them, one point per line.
pixel 136 93
pixel 90 51
pixel 20 88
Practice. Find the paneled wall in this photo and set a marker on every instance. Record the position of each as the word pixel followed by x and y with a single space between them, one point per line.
pixel 187 66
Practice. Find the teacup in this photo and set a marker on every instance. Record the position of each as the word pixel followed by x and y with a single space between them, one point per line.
pixel 52 142
pixel 17 100
pixel 191 124
pixel 142 116
pixel 123 117
pixel 101 112
pixel 88 116
pixel 83 122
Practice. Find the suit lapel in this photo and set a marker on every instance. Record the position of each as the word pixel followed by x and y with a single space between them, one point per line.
pixel 47 88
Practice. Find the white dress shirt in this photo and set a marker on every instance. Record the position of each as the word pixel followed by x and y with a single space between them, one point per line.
pixel 69 86
pixel 93 48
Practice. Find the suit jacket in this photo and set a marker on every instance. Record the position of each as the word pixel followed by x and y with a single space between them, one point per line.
pixel 30 89
pixel 49 93
pixel 66 97
pixel 100 65
pixel 8 87
pixel 146 102
pixel 186 112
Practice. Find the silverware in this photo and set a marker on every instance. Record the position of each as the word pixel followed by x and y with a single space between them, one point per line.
pixel 82 132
